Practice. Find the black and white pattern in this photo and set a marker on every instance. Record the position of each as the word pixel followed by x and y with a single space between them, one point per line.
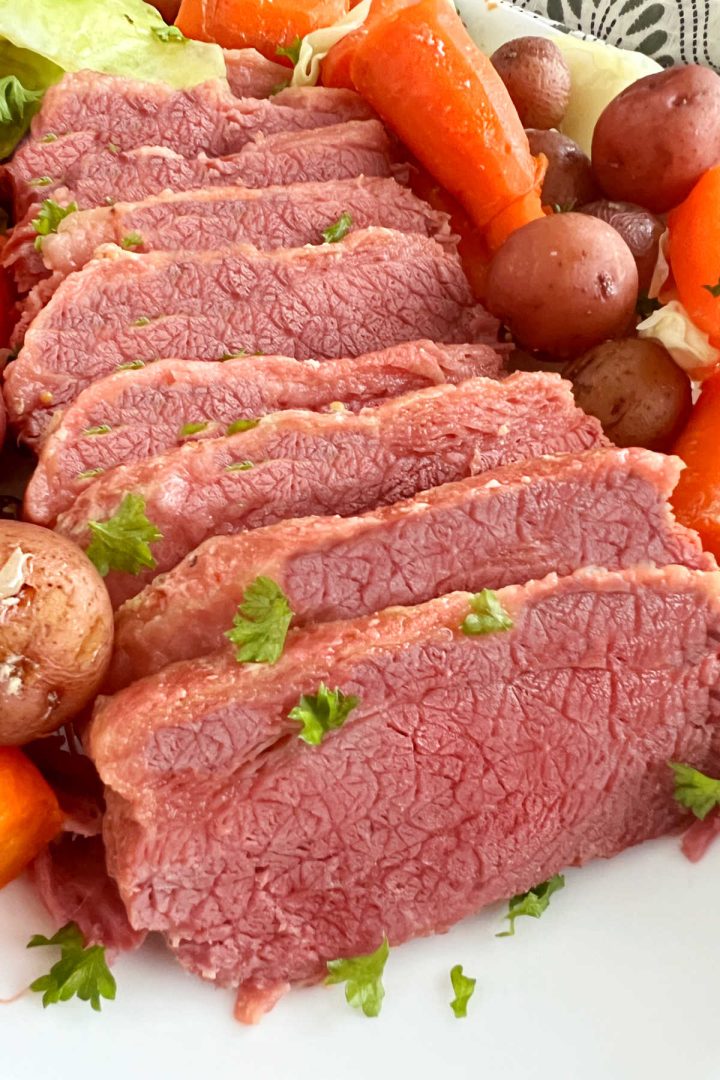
pixel 671 31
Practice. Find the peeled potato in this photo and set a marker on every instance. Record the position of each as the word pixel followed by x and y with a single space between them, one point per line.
pixel 56 631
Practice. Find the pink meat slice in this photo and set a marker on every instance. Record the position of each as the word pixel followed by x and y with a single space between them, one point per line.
pixel 252 75
pixel 376 288
pixel 144 412
pixel 509 525
pixel 471 769
pixel 322 463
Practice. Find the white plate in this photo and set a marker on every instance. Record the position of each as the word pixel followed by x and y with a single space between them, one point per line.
pixel 617 981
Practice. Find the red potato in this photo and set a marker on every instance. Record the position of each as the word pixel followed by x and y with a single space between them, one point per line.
pixel 640 230
pixel 537 79
pixel 563 284
pixel 56 631
pixel 569 181
pixel 655 140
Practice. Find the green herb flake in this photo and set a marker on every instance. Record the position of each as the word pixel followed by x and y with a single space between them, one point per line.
pixel 261 622
pixel 50 137
pixel 291 51
pixel 41 181
pixel 240 466
pixel 695 790
pixel 100 429
pixel 322 712
pixel 80 972
pixel 169 35
pixel 487 615
pixel 338 229
pixel 714 290
pixel 363 975
pixel 532 903
pixel 122 542
pixel 192 428
pixel 89 473
pixel 142 321
pixel 49 217
pixel 464 988
pixel 18 105
pixel 131 365
pixel 241 425
pixel 131 241
pixel 646 305
pixel 234 355
pixel 113 148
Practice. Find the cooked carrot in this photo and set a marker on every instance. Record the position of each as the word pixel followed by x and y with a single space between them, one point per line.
pixel 260 24
pixel 29 813
pixel 695 253
pixel 428 80
pixel 335 68
pixel 696 499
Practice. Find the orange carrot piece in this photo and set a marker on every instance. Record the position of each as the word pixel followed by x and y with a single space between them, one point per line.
pixel 29 813
pixel 695 253
pixel 696 499
pixel 336 67
pixel 428 80
pixel 258 24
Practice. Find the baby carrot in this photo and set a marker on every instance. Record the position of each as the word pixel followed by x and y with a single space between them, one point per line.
pixel 696 499
pixel 428 80
pixel 695 253
pixel 29 813
pixel 260 24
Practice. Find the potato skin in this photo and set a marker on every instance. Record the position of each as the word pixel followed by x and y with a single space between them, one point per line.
pixel 654 141
pixel 537 78
pixel 635 389
pixel 563 284
pixel 569 181
pixel 640 230
pixel 56 631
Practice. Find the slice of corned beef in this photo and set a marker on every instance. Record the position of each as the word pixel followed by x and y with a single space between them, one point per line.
pixel 207 220
pixel 329 463
pixel 471 769
pixel 252 75
pixel 144 412
pixel 376 288
pixel 88 171
pixel 601 508
pixel 206 118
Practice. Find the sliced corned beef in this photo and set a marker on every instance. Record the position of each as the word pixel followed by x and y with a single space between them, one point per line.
pixel 91 173
pixel 252 75
pixel 273 217
pixel 376 288
pixel 601 508
pixel 471 769
pixel 329 463
pixel 206 118
pixel 144 412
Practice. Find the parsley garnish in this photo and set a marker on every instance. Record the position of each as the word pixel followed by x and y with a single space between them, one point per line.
pixel 48 219
pixel 363 975
pixel 192 428
pixel 88 474
pixel 532 903
pixel 142 321
pixel 322 712
pixel 132 240
pixel 17 107
pixel 291 51
pixel 695 790
pixel 240 466
pixel 261 622
pixel 464 988
pixel 50 137
pixel 100 429
pixel 41 181
pixel 338 229
pixel 130 365
pixel 169 34
pixel 487 615
pixel 123 541
pixel 646 305
pixel 113 148
pixel 240 425
pixel 714 290
pixel 80 972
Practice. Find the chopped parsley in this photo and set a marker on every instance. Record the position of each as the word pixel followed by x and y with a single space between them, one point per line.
pixel 241 425
pixel 192 428
pixel 363 975
pixel 322 712
pixel 49 217
pixel 291 51
pixel 695 790
pixel 113 148
pixel 17 107
pixel 169 35
pixel 50 137
pixel 80 972
pixel 41 181
pixel 646 305
pixel 714 290
pixel 131 241
pixel 464 988
pixel 239 466
pixel 130 365
pixel 338 229
pixel 99 429
pixel 532 903
pixel 88 474
pixel 122 542
pixel 487 615
pixel 142 321
pixel 261 622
